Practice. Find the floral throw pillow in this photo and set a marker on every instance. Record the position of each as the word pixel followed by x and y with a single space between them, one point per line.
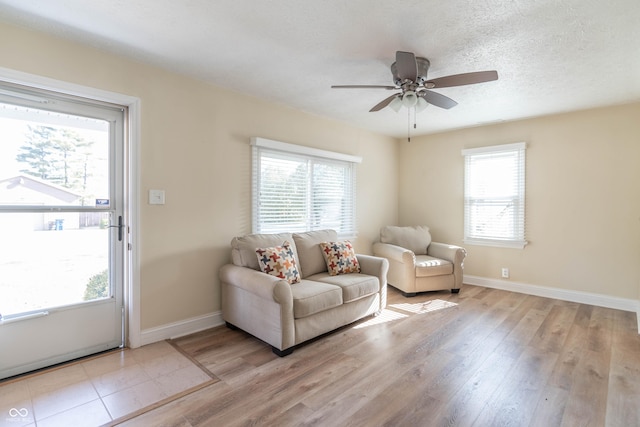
pixel 279 261
pixel 340 257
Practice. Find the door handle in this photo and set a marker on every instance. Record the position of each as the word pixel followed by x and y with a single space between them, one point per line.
pixel 120 227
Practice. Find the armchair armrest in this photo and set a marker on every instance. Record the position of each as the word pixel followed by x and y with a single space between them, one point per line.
pixel 394 253
pixel 257 283
pixel 454 254
pixel 402 265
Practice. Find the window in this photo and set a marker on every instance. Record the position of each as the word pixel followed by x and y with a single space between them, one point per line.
pixel 298 189
pixel 494 183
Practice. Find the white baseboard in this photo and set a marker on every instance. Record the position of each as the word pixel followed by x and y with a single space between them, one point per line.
pixel 181 328
pixel 561 294
pixel 196 324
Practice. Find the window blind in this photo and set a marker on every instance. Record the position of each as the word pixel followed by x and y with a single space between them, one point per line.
pixel 296 189
pixel 494 195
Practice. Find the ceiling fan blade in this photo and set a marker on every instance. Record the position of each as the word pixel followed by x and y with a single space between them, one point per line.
pixel 379 106
pixel 437 99
pixel 406 66
pixel 363 87
pixel 462 79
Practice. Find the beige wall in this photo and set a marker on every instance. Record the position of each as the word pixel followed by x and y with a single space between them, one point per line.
pixel 582 195
pixel 583 180
pixel 195 146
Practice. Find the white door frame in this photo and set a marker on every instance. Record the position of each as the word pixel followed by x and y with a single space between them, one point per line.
pixel 132 184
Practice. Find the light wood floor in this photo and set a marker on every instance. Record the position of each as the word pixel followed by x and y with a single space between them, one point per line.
pixel 483 357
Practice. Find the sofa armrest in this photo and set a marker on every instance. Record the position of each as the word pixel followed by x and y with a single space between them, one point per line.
pixel 257 283
pixel 259 304
pixel 374 266
pixel 378 267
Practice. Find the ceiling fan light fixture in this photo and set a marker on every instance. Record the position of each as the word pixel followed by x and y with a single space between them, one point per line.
pixel 409 99
pixel 396 103
pixel 421 104
pixel 410 77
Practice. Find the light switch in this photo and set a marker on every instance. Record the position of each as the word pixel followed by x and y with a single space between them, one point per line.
pixel 156 197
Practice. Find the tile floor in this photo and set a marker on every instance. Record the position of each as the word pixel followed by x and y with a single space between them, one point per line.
pixel 98 390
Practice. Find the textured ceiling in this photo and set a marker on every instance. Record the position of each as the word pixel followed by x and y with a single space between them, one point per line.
pixel 551 55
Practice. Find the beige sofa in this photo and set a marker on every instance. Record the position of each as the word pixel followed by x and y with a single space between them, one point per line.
pixel 285 315
pixel 417 264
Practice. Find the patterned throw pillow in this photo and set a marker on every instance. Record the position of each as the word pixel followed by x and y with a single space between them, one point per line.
pixel 279 261
pixel 340 257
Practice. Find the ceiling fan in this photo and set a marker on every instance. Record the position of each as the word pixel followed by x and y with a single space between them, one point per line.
pixel 410 78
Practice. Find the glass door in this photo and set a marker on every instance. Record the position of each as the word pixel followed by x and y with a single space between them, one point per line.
pixel 61 228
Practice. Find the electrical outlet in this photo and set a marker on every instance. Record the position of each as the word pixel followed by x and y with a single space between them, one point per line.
pixel 505 273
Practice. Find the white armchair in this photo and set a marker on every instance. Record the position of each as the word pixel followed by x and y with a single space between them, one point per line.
pixel 416 264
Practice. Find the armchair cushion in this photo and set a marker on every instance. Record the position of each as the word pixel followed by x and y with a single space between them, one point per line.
pixel 429 266
pixel 415 238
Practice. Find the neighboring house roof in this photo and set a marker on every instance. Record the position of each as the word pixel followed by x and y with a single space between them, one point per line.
pixel 23 189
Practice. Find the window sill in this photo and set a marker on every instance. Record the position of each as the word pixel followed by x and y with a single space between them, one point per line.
pixel 513 244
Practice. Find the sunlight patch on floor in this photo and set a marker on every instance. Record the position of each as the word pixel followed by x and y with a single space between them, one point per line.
pixel 424 307
pixel 384 317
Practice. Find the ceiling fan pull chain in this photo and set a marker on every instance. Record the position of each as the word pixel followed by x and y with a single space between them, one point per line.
pixel 408 124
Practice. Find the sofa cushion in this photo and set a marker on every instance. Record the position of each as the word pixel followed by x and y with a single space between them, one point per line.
pixel 311 297
pixel 279 261
pixel 340 257
pixel 429 266
pixel 243 249
pixel 311 260
pixel 354 286
pixel 416 238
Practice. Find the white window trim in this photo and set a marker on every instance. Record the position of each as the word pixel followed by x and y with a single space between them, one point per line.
pixel 518 243
pixel 300 149
pixel 515 244
pixel 293 149
pixel 495 148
